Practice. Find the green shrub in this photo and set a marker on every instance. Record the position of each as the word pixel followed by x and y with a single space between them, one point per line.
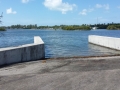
pixel 2 29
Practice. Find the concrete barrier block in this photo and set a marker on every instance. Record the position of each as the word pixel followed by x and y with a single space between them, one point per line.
pixel 28 52
pixel 117 44
pixel 37 39
pixel 3 55
pixel 109 42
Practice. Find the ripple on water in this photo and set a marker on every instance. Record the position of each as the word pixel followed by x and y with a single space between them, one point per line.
pixel 60 43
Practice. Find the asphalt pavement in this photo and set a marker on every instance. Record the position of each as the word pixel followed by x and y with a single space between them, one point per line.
pixel 94 73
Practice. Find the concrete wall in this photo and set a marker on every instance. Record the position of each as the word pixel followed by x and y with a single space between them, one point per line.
pixel 38 40
pixel 109 42
pixel 28 52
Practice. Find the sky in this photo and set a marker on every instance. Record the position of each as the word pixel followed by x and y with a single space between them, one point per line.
pixel 59 12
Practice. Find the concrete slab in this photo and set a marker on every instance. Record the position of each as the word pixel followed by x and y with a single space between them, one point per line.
pixel 94 73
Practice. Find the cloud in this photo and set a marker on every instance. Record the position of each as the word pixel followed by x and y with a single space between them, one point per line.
pixel 99 6
pixel 105 6
pixel 10 11
pixel 59 5
pixel 25 1
pixel 85 11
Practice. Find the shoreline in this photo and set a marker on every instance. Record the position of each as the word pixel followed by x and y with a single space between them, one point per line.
pixel 83 56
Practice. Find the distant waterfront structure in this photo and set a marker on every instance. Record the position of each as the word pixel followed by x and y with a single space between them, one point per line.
pixel 94 28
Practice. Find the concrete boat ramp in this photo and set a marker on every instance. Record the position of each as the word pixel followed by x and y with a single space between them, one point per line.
pixel 95 73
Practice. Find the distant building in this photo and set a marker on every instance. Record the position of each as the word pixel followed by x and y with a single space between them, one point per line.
pixel 94 28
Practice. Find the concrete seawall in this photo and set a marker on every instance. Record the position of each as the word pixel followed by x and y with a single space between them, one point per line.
pixel 23 53
pixel 110 42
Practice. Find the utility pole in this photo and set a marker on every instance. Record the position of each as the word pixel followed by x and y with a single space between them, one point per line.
pixel 2 28
pixel 1 17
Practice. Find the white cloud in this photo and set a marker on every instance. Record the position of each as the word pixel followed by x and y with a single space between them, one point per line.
pixel 99 6
pixel 85 11
pixel 105 6
pixel 25 1
pixel 10 11
pixel 58 5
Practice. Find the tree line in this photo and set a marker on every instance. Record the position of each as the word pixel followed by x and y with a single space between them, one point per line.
pixel 113 27
pixel 76 27
pixel 109 26
pixel 64 27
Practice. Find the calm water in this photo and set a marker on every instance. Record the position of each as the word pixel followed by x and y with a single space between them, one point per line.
pixel 60 43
